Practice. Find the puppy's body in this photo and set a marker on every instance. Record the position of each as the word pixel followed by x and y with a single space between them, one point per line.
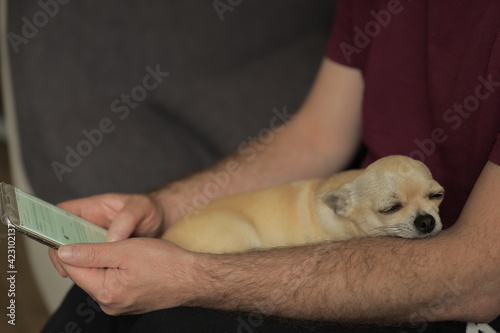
pixel 278 216
pixel 343 206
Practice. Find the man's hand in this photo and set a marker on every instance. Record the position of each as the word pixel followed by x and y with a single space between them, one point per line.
pixel 133 276
pixel 123 215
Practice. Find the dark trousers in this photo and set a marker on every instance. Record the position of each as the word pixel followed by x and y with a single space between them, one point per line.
pixel 80 313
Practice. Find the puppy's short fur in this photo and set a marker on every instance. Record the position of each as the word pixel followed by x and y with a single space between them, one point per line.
pixel 394 196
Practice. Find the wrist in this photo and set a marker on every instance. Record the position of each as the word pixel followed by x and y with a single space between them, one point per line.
pixel 200 286
pixel 168 200
pixel 181 197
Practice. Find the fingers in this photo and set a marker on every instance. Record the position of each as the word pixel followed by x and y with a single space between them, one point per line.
pixel 96 269
pixel 97 209
pixel 122 226
pixel 72 206
pixel 55 261
pixel 122 214
pixel 129 276
pixel 90 265
pixel 139 216
pixel 89 280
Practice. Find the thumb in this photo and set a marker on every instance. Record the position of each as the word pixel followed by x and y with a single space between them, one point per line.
pixel 99 255
pixel 123 226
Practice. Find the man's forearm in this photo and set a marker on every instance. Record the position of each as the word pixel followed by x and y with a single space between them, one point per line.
pixel 322 138
pixel 367 280
pixel 453 276
pixel 266 166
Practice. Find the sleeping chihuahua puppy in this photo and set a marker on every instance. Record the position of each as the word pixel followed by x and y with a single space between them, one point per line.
pixel 394 196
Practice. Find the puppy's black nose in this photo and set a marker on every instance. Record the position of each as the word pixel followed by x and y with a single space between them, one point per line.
pixel 425 223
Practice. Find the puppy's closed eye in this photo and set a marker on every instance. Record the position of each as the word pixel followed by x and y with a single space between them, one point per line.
pixel 391 209
pixel 436 196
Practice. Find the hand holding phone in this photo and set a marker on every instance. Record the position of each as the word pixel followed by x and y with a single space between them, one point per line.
pixel 43 221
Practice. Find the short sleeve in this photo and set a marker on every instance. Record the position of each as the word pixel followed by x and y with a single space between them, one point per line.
pixel 495 152
pixel 340 46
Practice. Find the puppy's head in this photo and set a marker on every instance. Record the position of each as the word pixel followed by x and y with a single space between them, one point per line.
pixel 394 196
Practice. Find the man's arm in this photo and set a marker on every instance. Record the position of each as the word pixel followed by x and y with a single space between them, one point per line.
pixel 454 276
pixel 321 139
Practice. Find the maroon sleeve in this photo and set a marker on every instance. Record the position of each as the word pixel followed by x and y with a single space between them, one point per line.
pixel 495 152
pixel 340 47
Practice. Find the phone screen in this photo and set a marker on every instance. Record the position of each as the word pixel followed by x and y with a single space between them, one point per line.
pixel 54 223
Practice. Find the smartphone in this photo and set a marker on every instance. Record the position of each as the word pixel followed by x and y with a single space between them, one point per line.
pixel 43 221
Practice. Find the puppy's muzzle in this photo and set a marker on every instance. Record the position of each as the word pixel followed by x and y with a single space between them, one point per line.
pixel 425 223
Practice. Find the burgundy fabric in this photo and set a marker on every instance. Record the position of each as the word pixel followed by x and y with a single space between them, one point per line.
pixel 432 76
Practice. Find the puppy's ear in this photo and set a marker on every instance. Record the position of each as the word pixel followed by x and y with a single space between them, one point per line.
pixel 340 200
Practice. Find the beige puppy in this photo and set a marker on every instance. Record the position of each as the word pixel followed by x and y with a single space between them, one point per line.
pixel 394 196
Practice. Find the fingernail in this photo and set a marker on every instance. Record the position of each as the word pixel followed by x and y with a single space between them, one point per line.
pixel 66 252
